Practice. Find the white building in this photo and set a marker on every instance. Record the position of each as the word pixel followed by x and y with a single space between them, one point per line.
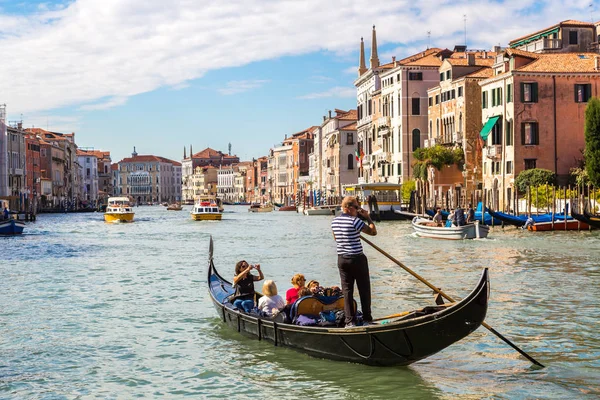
pixel 88 176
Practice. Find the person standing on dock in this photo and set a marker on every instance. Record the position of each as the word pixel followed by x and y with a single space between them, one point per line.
pixel 352 262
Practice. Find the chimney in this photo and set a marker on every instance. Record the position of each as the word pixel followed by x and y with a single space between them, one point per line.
pixel 470 59
pixel 497 49
pixel 485 54
pixel 20 125
pixel 394 61
pixel 329 114
pixel 324 118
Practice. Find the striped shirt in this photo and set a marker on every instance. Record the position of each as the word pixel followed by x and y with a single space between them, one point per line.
pixel 346 229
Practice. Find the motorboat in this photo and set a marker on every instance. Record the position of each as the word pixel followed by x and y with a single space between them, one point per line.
pixel 427 228
pixel 206 210
pixel 118 210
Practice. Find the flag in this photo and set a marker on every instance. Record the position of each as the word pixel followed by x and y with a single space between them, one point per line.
pixel 357 154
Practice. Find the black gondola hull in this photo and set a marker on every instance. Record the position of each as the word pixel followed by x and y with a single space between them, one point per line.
pixel 396 343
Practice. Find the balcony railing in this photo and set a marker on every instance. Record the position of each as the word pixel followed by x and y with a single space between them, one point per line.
pixel 494 151
pixel 542 44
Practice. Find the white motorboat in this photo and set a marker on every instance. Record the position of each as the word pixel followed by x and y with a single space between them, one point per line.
pixel 427 228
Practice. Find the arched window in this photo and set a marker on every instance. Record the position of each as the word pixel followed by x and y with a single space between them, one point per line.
pixel 430 128
pixel 350 161
pixel 437 128
pixel 416 139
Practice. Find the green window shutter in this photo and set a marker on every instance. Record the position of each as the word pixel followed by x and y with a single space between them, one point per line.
pixel 536 137
pixel 534 92
pixel 588 91
pixel 499 96
pixel 509 93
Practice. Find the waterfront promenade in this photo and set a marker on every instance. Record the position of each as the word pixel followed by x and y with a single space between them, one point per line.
pixel 101 310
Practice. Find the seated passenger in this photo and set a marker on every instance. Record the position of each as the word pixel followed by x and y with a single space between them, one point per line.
pixel 315 288
pixel 304 291
pixel 270 303
pixel 243 282
pixel 292 294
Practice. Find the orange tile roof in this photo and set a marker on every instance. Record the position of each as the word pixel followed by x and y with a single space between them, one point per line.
pixel 421 54
pixel 149 158
pixel 464 62
pixel 484 72
pixel 562 62
pixel 569 22
pixel 522 53
pixel 114 167
pixel 351 127
pixel 208 153
pixel 351 115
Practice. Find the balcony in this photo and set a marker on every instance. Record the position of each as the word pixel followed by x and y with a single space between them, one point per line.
pixel 457 137
pixel 541 45
pixel 494 151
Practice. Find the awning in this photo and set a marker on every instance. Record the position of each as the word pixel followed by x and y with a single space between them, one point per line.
pixel 487 128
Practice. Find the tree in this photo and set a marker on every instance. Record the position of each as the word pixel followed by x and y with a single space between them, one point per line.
pixel 592 141
pixel 534 177
pixel 437 157
pixel 407 188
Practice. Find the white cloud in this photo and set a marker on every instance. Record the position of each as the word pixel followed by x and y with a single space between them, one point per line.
pixel 84 51
pixel 234 87
pixel 337 92
pixel 113 102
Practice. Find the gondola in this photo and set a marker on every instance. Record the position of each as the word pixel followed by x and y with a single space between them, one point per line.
pixel 592 220
pixel 398 341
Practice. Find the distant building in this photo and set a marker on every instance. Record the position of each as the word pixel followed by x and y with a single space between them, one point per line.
pixel 203 158
pixel 149 179
pixel 565 37
pixel 88 172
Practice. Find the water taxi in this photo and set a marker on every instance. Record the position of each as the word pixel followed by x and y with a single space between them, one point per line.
pixel 118 210
pixel 381 199
pixel 206 210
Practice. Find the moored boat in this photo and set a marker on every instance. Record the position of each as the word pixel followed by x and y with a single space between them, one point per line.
pixel 288 208
pixel 564 225
pixel 174 207
pixel 401 340
pixel 206 210
pixel 11 227
pixel 260 207
pixel 380 199
pixel 118 210
pixel 426 228
pixel 321 210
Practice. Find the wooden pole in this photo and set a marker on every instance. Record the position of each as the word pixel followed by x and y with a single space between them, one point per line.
pixel 553 203
pixel 439 291
pixel 529 201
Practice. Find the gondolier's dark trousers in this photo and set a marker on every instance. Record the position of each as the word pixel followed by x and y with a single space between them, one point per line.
pixel 355 268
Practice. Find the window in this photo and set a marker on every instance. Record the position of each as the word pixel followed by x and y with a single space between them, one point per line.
pixel 430 101
pixel 441 77
pixel 509 134
pixel 350 161
pixel 416 139
pixel 496 133
pixel 350 138
pixel 460 91
pixel 437 99
pixel 529 133
pixel 509 96
pixel 415 76
pixel 87 172
pixel 530 163
pixel 573 37
pixel 509 167
pixel 448 74
pixel 583 92
pixel 498 96
pixel 484 99
pixel 529 92
pixel 416 106
pixel 399 166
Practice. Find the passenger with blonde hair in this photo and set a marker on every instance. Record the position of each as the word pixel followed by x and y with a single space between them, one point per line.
pixel 297 283
pixel 270 303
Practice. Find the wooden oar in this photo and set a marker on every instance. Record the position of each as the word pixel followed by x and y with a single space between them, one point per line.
pixel 435 289
pixel 402 314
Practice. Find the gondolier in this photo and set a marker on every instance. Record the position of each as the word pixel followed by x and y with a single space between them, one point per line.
pixel 352 263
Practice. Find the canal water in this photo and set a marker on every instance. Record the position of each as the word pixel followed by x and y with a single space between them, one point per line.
pixel 96 310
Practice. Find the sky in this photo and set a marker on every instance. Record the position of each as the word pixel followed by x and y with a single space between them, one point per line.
pixel 163 75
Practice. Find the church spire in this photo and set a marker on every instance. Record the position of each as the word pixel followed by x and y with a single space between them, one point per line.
pixel 184 156
pixel 361 62
pixel 191 152
pixel 374 57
